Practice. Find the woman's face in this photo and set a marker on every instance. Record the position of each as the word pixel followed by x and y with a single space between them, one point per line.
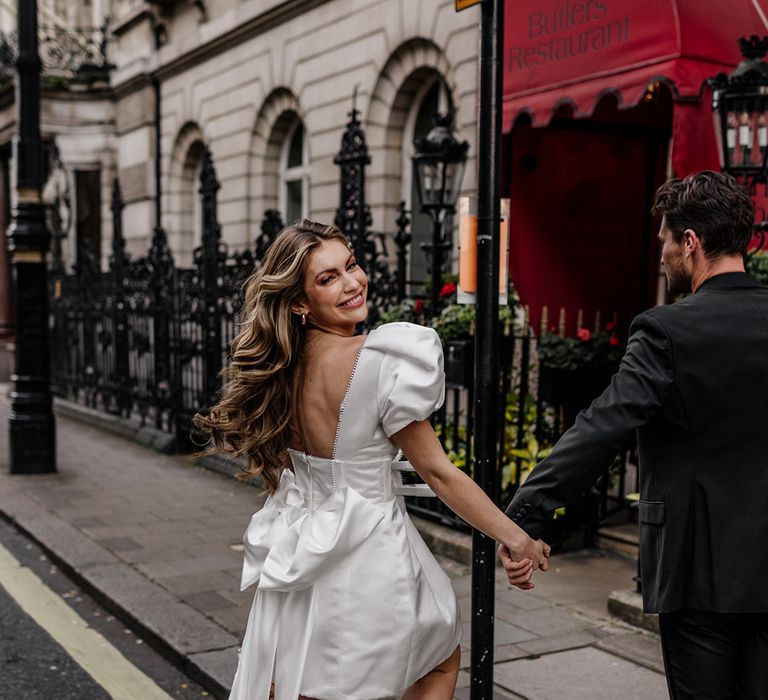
pixel 336 289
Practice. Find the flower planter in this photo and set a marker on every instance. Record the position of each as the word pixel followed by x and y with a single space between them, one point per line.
pixel 573 389
pixel 459 363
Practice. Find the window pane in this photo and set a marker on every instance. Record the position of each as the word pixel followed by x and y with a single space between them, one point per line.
pixel 197 206
pixel 293 201
pixel 296 149
pixel 425 118
pixel 88 210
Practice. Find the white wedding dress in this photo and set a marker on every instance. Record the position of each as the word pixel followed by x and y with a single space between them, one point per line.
pixel 350 604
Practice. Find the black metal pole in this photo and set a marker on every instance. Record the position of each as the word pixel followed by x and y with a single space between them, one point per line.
pixel 437 263
pixel 486 339
pixel 119 306
pixel 31 425
pixel 209 187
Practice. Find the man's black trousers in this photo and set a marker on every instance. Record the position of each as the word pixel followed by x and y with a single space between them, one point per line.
pixel 715 656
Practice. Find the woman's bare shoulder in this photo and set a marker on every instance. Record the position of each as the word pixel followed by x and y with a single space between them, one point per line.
pixel 333 357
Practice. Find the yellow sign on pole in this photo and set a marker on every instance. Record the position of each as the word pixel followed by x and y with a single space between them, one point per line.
pixel 464 4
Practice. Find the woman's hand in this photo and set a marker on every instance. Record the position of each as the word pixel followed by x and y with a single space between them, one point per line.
pixel 522 559
pixel 519 573
pixel 465 498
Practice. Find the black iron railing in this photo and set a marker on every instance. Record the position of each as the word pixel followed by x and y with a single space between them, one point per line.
pixel 535 412
pixel 353 216
pixel 146 340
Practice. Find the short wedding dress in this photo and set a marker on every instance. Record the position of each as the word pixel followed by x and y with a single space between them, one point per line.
pixel 350 604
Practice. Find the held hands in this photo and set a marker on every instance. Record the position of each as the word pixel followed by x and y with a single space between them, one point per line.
pixel 521 561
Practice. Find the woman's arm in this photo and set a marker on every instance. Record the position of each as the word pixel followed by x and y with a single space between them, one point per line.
pixel 464 497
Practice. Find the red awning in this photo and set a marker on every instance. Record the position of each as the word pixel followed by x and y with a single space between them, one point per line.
pixel 575 51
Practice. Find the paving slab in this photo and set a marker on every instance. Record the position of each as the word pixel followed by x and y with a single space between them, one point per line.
pixel 551 620
pixel 62 538
pixel 464 694
pixel 557 642
pixel 641 649
pixel 216 668
pixel 503 632
pixel 589 673
pixel 184 628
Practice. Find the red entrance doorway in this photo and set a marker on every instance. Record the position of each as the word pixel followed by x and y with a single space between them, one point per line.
pixel 581 191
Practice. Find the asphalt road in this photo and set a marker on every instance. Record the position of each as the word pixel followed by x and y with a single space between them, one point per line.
pixel 33 665
pixel 56 643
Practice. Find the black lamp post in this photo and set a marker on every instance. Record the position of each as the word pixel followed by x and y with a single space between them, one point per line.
pixel 439 161
pixel 31 424
pixel 741 102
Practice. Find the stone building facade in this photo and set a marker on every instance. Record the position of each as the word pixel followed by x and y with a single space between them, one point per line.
pixel 267 87
pixel 77 115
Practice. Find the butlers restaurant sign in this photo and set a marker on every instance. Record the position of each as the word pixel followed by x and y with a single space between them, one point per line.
pixel 557 42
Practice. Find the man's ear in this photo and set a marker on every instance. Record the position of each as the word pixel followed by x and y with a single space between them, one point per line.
pixel 691 241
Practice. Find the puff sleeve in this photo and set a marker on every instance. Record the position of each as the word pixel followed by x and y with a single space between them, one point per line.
pixel 411 384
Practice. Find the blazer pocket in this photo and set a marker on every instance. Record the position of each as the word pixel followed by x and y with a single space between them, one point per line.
pixel 652 512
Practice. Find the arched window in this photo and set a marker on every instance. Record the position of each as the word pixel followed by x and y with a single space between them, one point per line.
pixel 190 214
pixel 197 204
pixel 293 193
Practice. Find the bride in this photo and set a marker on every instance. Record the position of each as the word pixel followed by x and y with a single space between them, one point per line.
pixel 349 603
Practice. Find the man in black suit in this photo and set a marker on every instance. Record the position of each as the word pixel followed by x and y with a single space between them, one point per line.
pixel 694 385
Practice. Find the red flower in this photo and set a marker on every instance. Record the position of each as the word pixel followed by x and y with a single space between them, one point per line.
pixel 418 306
pixel 448 289
pixel 610 326
pixel 584 335
pixel 614 341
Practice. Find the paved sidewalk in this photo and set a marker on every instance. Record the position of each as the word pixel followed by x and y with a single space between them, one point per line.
pixel 157 539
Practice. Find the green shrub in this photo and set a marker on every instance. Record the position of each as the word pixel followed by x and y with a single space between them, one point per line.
pixel 757 266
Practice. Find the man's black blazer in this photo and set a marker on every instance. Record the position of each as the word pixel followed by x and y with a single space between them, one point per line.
pixel 694 385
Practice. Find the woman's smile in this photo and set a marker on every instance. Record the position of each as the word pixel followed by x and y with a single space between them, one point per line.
pixel 354 302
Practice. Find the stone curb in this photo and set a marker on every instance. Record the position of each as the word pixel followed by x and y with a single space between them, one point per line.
pixel 444 541
pixel 628 606
pixel 118 425
pixel 206 652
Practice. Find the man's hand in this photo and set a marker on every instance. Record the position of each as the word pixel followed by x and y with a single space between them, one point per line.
pixel 533 555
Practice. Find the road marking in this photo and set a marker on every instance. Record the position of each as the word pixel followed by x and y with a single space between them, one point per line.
pixel 97 657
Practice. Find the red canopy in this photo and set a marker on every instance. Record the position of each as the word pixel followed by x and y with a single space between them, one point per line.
pixel 575 51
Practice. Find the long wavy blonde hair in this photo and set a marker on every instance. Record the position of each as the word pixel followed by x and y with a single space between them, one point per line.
pixel 253 415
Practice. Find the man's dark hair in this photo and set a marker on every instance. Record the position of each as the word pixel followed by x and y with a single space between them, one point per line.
pixel 713 205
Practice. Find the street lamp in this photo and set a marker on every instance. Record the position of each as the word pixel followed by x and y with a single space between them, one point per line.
pixel 741 103
pixel 31 424
pixel 439 161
